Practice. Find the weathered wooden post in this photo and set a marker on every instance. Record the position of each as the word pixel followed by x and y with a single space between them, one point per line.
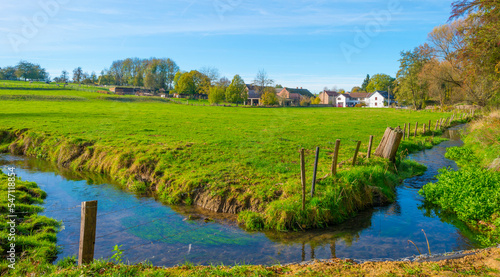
pixel 429 125
pixel 369 154
pixel 440 123
pixel 435 128
pixel 356 153
pixel 423 129
pixel 409 128
pixel 416 130
pixel 313 187
pixel 404 132
pixel 87 232
pixel 303 177
pixel 335 157
pixel 389 144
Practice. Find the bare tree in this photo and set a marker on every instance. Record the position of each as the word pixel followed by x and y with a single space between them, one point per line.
pixel 211 72
pixel 262 81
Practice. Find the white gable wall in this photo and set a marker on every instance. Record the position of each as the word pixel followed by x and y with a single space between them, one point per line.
pixel 376 101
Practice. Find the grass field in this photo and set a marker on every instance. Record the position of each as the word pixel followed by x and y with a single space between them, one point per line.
pixel 240 155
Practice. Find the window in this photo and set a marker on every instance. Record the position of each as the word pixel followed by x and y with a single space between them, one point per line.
pixel 340 99
pixel 376 98
pixel 375 104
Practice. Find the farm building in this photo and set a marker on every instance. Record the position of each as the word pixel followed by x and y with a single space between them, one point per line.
pixel 123 90
pixel 292 96
pixel 253 96
pixel 328 97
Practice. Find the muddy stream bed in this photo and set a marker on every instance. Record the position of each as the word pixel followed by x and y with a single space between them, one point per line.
pixel 171 235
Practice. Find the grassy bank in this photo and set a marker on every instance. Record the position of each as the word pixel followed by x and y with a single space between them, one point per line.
pixel 223 159
pixel 473 192
pixel 31 238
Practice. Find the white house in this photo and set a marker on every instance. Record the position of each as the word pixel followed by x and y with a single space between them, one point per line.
pixel 344 100
pixel 351 99
pixel 379 99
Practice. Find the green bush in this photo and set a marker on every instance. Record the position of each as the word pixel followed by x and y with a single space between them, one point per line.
pixel 463 156
pixel 472 193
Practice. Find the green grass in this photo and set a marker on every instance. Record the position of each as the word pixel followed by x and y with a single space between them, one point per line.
pixel 35 239
pixel 245 155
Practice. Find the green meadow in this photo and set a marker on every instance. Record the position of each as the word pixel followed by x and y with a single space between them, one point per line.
pixel 246 156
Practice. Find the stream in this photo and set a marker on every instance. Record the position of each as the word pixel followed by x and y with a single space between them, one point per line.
pixel 171 235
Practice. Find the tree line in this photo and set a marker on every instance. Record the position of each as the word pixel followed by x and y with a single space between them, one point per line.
pixel 460 60
pixel 25 71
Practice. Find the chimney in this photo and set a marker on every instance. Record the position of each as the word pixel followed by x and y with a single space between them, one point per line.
pixel 300 87
pixel 297 87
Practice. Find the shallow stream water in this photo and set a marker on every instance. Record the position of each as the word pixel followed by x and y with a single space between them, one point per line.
pixel 149 230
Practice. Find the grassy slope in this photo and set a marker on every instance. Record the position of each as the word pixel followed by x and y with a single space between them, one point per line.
pixel 473 192
pixel 248 154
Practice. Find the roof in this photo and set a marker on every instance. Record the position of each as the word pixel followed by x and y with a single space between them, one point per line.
pixel 384 94
pixel 359 95
pixel 294 95
pixel 331 93
pixel 253 94
pixel 301 91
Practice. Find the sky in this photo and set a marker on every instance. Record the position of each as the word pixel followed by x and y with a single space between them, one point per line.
pixel 311 44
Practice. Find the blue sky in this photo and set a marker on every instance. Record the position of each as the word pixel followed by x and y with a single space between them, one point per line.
pixel 310 44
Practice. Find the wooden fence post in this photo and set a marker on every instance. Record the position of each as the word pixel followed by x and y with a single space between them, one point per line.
pixel 303 178
pixel 335 157
pixel 440 123
pixel 369 155
pixel 430 125
pixel 356 153
pixel 435 128
pixel 87 232
pixel 404 132
pixel 409 128
pixel 313 187
pixel 423 129
pixel 416 130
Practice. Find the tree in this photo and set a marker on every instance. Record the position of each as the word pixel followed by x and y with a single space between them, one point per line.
pixel 269 97
pixel 64 76
pixel 8 73
pixel 409 86
pixel 217 94
pixel 77 75
pixel 279 86
pixel 436 74
pixel 315 101
pixel 480 52
pixel 27 70
pixel 192 82
pixel 380 82
pixel 211 72
pixel 262 81
pixel 224 82
pixel 236 92
pixel 365 82
pixel 355 89
pixel 171 70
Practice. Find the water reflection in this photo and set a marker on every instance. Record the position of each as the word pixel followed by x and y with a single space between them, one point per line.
pixel 164 235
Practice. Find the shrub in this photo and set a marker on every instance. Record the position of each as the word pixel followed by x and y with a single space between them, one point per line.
pixel 472 193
